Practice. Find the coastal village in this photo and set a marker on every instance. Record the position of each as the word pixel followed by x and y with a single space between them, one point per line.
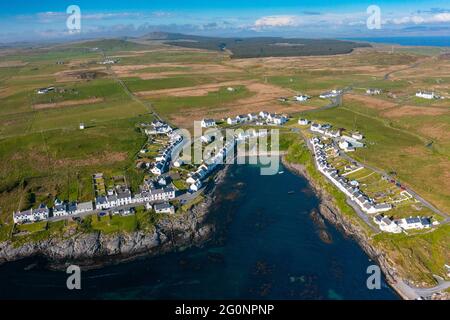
pixel 329 148
pixel 159 190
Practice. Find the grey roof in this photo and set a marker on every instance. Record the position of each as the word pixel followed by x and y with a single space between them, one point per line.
pixel 86 205
pixel 412 220
pixel 101 200
pixel 124 194
pixel 383 206
pixel 162 206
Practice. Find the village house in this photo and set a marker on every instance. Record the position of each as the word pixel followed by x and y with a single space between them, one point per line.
pixel 207 123
pixel 72 208
pixel 263 114
pixel 253 116
pixel 241 118
pixel 84 207
pixel 32 215
pixel 232 121
pixel 279 120
pixel 414 223
pixel 45 90
pixel 346 146
pixel 373 92
pixel 101 203
pixel 426 95
pixel 59 209
pixel 301 98
pixel 330 94
pixel 303 122
pixel 123 197
pixel 194 187
pixel 164 208
pixel 158 168
pixel 387 225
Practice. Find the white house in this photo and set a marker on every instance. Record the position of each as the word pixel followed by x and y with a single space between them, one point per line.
pixel 32 215
pixel 303 122
pixel 263 114
pixel 279 120
pixel 85 207
pixel 371 91
pixel 426 95
pixel 207 123
pixel 158 168
pixel 82 126
pixel 332 133
pixel 101 203
pixel 196 185
pixel 414 223
pixel 161 194
pixel 301 98
pixel 164 208
pixel 330 94
pixel 386 224
pixel 346 146
pixel 242 118
pixel 317 127
pixel 123 197
pixel 253 116
pixel 60 209
pixel 232 121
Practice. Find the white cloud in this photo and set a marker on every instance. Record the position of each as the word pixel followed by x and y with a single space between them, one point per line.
pixel 442 17
pixel 277 21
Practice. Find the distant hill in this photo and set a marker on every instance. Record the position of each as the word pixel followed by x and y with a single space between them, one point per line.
pixel 259 46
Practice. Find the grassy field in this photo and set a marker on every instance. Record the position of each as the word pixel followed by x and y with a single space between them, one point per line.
pixel 44 155
pixel 395 150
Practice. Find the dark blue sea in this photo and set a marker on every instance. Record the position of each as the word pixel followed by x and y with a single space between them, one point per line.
pixel 266 247
pixel 434 41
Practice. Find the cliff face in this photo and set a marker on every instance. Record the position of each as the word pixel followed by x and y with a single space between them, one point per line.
pixel 169 234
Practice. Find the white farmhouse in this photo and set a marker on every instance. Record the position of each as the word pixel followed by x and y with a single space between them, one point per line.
pixel 301 98
pixel 303 122
pixel 373 92
pixel 232 121
pixel 426 95
pixel 207 123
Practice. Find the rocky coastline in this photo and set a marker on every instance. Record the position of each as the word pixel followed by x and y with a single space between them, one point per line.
pixel 330 212
pixel 92 250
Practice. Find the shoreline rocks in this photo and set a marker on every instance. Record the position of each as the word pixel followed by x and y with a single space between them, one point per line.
pixel 94 250
pixel 330 212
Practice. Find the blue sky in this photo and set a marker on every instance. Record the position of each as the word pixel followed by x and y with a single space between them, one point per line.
pixel 31 20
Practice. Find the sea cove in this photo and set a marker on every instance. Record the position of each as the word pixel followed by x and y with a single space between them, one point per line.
pixel 266 246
